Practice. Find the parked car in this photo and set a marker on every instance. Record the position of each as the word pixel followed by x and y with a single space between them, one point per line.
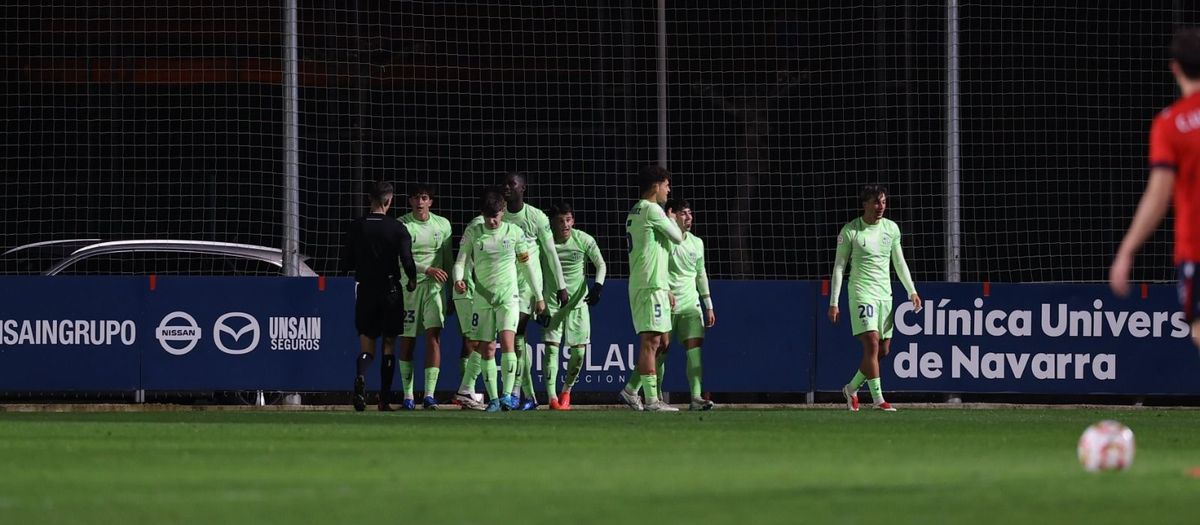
pixel 144 257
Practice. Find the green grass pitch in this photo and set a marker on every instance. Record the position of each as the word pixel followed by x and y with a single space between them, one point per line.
pixel 611 467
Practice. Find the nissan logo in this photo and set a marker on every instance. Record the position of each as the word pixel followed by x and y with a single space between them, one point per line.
pixel 237 336
pixel 167 333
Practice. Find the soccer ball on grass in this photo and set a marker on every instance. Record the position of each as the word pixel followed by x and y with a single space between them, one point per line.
pixel 1107 445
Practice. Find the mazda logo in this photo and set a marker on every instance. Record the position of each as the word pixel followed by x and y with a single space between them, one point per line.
pixel 236 336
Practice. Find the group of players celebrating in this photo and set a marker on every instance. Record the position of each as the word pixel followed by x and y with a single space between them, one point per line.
pixel 512 256
pixel 516 263
pixel 512 253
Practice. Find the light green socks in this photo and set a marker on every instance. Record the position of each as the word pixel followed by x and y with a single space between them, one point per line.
pixel 635 380
pixel 550 366
pixel 472 367
pixel 406 378
pixel 695 370
pixel 508 362
pixel 857 381
pixel 661 362
pixel 489 377
pixel 574 366
pixel 876 390
pixel 638 381
pixel 514 388
pixel 431 377
pixel 527 372
pixel 650 388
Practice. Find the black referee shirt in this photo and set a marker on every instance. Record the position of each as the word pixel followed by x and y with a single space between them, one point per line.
pixel 376 247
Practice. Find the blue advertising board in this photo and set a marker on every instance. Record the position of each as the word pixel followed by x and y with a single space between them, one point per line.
pixel 214 333
pixel 760 343
pixel 70 333
pixel 247 333
pixel 1027 338
pixel 297 334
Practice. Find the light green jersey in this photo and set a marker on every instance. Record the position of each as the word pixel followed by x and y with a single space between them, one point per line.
pixel 650 234
pixel 536 227
pixel 869 248
pixel 574 253
pixel 469 270
pixel 495 255
pixel 430 244
pixel 689 279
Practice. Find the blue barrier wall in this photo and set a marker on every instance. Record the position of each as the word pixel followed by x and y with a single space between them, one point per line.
pixel 762 341
pixel 42 343
pixel 204 333
pixel 1024 338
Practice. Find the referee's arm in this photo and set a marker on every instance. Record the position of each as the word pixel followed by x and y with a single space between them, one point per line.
pixel 406 256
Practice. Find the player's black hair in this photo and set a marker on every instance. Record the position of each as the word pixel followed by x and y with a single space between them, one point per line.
pixel 561 208
pixel 380 191
pixel 513 173
pixel 418 188
pixel 871 192
pixel 650 175
pixel 1185 51
pixel 491 202
pixel 677 204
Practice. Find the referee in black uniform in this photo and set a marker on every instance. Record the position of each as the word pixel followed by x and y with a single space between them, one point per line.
pixel 376 247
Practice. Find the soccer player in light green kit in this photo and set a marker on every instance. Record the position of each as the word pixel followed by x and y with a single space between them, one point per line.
pixel 574 248
pixel 693 311
pixel 425 310
pixel 536 226
pixel 495 248
pixel 689 285
pixel 868 243
pixel 463 307
pixel 651 232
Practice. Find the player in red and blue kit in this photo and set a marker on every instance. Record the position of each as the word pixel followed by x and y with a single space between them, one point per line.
pixel 1174 171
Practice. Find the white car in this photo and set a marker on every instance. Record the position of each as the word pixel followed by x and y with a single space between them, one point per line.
pixel 145 257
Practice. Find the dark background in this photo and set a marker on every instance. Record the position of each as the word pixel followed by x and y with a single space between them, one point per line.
pixel 128 120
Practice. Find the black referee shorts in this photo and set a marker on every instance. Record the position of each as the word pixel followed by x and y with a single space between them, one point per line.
pixel 375 314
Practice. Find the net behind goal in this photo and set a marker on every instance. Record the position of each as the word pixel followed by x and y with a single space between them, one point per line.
pixel 137 120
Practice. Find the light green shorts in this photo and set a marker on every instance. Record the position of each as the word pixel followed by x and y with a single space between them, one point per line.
pixel 526 296
pixel 687 323
pixel 424 308
pixel 651 310
pixel 871 315
pixel 464 307
pixel 577 323
pixel 487 319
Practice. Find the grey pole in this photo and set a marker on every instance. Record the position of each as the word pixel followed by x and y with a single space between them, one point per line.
pixel 953 155
pixel 291 143
pixel 662 83
pixel 953 169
